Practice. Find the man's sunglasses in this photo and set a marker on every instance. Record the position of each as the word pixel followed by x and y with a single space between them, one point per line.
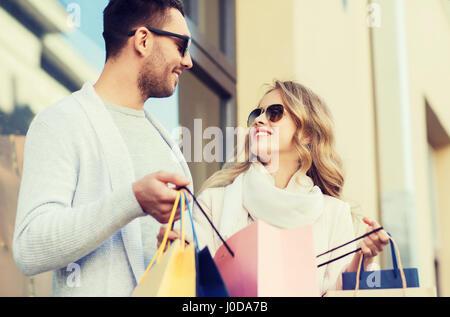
pixel 186 39
pixel 274 113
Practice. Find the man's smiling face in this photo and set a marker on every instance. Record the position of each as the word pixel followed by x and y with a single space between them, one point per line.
pixel 165 63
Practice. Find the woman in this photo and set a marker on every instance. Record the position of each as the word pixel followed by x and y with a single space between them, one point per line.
pixel 291 176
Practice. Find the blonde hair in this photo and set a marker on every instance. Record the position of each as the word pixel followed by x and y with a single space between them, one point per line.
pixel 318 159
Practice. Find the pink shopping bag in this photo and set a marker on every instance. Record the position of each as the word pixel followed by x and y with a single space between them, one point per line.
pixel 269 262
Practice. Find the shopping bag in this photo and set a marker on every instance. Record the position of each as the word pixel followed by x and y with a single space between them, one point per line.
pixel 269 262
pixel 398 282
pixel 170 274
pixel 209 282
pixel 11 164
pixel 381 279
pixel 18 284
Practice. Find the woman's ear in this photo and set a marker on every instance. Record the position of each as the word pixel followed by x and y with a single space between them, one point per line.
pixel 306 140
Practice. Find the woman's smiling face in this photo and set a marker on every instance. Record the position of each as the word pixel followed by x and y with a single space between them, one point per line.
pixel 268 138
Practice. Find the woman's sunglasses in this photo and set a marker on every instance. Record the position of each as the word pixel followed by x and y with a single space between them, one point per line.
pixel 274 113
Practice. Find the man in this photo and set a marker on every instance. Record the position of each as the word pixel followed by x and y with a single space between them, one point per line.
pixel 98 167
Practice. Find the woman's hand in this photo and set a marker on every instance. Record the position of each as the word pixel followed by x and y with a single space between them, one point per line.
pixel 173 235
pixel 370 246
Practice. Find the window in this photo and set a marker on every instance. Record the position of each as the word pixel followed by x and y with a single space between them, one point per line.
pixel 208 91
pixel 215 20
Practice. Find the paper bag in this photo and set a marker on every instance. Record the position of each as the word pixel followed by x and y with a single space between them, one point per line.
pixel 170 274
pixel 388 282
pixel 269 262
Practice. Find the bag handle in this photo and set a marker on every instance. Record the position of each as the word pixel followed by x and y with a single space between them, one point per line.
pixel 192 220
pixel 210 222
pixel 400 266
pixel 161 248
pixel 343 245
pixel 182 208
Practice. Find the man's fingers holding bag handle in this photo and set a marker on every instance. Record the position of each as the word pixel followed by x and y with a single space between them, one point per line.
pixel 175 180
pixel 154 195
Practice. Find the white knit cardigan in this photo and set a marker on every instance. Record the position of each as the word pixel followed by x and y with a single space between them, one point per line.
pixel 77 214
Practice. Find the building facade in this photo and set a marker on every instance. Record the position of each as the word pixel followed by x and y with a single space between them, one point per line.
pixel 383 68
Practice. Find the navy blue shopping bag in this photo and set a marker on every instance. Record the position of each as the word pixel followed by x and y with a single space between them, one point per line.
pixel 209 282
pixel 382 279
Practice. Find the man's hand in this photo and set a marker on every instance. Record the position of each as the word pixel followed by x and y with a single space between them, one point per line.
pixel 155 197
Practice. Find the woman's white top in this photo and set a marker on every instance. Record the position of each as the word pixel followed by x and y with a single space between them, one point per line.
pixel 332 225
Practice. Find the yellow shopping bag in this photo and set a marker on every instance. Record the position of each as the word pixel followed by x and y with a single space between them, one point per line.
pixel 170 273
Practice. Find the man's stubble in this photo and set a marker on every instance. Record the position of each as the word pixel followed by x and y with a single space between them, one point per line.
pixel 154 80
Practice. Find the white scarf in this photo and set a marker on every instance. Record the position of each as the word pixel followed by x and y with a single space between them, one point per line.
pixel 299 204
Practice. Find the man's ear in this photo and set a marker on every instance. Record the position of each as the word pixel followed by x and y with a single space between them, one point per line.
pixel 142 41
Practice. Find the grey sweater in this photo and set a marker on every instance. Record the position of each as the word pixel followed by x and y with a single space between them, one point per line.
pixel 77 214
pixel 149 153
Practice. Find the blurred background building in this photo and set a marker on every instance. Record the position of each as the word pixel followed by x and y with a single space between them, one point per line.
pixel 383 68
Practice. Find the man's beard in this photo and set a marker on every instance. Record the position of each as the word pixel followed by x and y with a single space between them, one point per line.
pixel 152 86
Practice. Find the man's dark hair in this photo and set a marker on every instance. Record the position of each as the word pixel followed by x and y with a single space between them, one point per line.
pixel 121 16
